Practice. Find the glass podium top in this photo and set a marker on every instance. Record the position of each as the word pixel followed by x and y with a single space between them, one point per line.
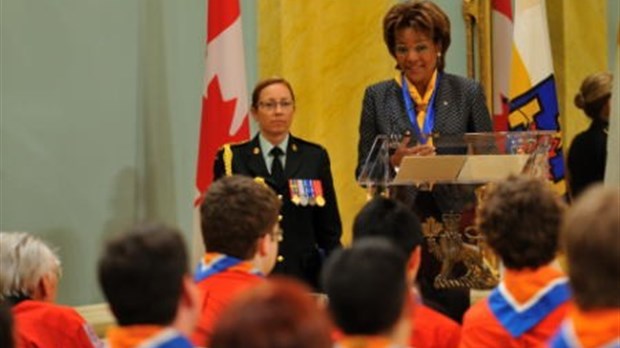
pixel 470 158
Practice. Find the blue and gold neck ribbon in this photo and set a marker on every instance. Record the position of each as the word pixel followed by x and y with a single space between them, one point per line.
pixel 429 119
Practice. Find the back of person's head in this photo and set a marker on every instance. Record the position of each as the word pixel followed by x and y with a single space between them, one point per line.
pixel 279 313
pixel 141 274
pixel 520 218
pixel 26 261
pixel 384 217
pixel 591 239
pixel 594 93
pixel 366 287
pixel 235 213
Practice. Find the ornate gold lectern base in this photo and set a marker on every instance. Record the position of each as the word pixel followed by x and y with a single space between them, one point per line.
pixel 446 243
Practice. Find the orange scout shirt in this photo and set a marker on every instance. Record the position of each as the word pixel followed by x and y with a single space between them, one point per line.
pixel 525 310
pixel 45 324
pixel 220 279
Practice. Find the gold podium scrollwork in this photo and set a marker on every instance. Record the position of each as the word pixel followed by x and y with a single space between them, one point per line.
pixel 446 243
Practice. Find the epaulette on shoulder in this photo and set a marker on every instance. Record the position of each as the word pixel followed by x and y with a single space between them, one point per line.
pixel 234 144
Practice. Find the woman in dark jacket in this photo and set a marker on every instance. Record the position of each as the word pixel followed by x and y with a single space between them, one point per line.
pixel 422 100
pixel 588 152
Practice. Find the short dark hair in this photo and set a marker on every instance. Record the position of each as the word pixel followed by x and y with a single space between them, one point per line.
pixel 266 83
pixel 235 213
pixel 520 218
pixel 384 217
pixel 141 274
pixel 422 16
pixel 366 286
pixel 279 313
pixel 591 241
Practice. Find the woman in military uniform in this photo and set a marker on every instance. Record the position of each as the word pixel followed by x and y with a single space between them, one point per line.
pixel 299 171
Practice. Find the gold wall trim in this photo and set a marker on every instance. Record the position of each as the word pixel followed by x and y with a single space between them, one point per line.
pixel 477 16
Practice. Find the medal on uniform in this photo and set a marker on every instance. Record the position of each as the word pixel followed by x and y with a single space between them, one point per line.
pixel 309 191
pixel 303 196
pixel 318 189
pixel 292 185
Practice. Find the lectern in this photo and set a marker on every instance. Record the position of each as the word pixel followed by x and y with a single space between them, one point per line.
pixel 445 190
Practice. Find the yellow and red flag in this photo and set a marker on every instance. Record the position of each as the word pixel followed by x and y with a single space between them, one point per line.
pixel 532 92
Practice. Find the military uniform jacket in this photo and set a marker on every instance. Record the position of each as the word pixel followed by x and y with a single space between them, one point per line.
pixel 310 232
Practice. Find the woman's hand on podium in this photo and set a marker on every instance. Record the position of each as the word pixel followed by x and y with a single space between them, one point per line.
pixel 404 149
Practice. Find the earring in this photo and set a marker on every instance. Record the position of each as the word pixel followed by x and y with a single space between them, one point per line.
pixel 438 54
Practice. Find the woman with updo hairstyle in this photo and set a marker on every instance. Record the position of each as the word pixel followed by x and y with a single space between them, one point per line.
pixel 588 152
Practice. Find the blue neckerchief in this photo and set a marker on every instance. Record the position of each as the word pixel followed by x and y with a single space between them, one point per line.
pixel 429 120
pixel 177 342
pixel 168 338
pixel 221 264
pixel 565 338
pixel 518 321
pixel 562 339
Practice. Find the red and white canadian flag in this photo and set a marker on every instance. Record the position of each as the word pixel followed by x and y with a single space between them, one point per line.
pixel 224 101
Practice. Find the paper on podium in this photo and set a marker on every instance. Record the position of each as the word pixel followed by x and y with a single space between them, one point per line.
pixel 458 168
pixel 491 167
pixel 421 169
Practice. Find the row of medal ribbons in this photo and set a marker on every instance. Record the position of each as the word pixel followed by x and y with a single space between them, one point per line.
pixel 306 192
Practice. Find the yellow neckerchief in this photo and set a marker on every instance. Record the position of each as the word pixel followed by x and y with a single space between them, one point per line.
pixel 364 342
pixel 131 336
pixel 421 103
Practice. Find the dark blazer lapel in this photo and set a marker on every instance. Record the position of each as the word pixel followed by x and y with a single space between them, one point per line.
pixel 254 159
pixel 293 157
pixel 400 119
pixel 442 99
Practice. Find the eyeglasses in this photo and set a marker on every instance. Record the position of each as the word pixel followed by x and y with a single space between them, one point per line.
pixel 272 105
pixel 277 234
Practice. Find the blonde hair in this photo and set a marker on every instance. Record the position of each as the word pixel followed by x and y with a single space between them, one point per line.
pixel 25 259
pixel 593 88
